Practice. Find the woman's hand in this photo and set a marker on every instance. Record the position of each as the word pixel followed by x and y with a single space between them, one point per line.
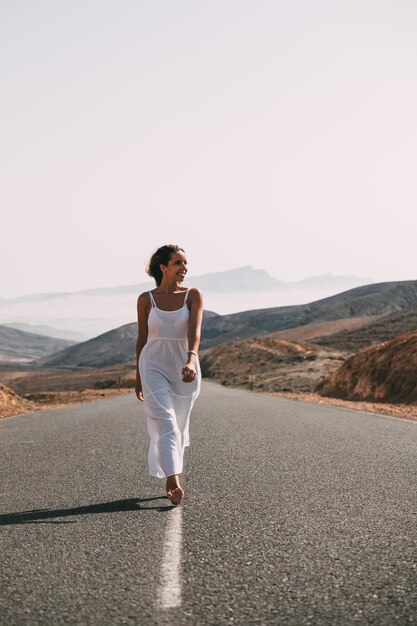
pixel 138 391
pixel 189 372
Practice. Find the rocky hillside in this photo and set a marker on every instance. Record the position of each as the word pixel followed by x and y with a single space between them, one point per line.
pixel 18 346
pixel 11 403
pixel 385 372
pixel 268 364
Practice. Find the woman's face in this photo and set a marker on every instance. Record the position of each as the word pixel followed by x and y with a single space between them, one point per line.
pixel 176 268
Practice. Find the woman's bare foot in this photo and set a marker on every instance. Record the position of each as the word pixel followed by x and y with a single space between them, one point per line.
pixel 174 491
pixel 175 495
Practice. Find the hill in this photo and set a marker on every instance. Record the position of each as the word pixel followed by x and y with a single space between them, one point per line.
pixel 116 347
pixel 386 372
pixel 384 329
pixel 18 346
pixel 269 364
pixel 370 302
pixel 318 330
pixel 111 348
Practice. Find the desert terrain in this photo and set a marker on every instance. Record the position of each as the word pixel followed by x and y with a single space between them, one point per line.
pixel 339 350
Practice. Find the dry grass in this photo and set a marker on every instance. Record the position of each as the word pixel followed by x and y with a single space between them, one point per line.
pixel 12 404
pixel 56 399
pixel 31 389
pixel 27 380
pixel 270 364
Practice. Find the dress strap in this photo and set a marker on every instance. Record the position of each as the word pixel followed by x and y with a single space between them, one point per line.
pixel 185 299
pixel 152 299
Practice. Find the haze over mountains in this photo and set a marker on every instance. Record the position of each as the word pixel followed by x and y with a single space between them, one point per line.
pixel 17 346
pixel 48 331
pixel 85 314
pixel 357 307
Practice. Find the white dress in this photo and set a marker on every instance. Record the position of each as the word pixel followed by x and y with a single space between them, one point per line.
pixel 168 400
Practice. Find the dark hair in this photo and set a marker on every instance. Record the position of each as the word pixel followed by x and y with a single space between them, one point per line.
pixel 161 257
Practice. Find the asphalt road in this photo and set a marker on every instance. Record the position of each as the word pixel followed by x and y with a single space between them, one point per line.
pixel 295 513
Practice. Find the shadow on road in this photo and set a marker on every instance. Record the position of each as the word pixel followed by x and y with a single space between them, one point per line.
pixel 46 516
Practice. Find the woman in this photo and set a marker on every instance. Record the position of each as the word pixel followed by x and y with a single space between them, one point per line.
pixel 168 374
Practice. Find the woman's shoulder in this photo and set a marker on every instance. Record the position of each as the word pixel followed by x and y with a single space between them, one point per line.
pixel 194 291
pixel 195 294
pixel 143 298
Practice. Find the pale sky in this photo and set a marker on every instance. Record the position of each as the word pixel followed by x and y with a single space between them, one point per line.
pixel 269 133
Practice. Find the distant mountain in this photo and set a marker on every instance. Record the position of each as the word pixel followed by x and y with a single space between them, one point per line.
pixel 34 297
pixel 329 281
pixel 242 279
pixel 118 346
pixel 91 312
pixel 21 347
pixel 48 331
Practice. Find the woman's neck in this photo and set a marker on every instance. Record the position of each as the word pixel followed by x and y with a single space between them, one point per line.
pixel 167 286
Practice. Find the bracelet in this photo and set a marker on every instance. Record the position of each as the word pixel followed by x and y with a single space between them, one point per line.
pixel 192 352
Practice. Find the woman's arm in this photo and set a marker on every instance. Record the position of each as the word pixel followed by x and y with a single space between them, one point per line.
pixel 143 312
pixel 195 299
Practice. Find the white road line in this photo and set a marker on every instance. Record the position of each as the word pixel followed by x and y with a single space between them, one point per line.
pixel 169 591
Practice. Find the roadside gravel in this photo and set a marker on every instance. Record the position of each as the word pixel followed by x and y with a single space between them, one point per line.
pixel 407 411
pixel 59 399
